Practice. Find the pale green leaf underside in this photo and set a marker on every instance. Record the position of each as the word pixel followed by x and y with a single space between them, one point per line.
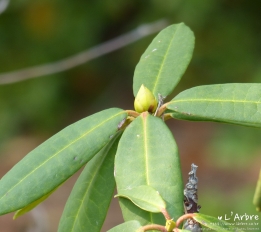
pixel 148 155
pixel 214 223
pixel 31 206
pixel 257 195
pixel 165 60
pixel 228 103
pixel 130 226
pixel 145 197
pixel 58 158
pixel 87 205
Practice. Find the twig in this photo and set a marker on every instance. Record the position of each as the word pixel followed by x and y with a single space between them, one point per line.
pixel 184 217
pixel 166 214
pixel 3 5
pixel 161 110
pixel 154 227
pixel 83 57
pixel 132 113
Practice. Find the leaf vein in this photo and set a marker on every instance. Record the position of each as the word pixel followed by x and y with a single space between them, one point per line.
pixel 74 141
pixel 164 58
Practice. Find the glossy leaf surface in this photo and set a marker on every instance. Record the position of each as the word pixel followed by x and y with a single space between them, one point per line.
pixel 87 205
pixel 214 223
pixel 148 155
pixel 130 226
pixel 55 160
pixel 228 103
pixel 145 197
pixel 165 60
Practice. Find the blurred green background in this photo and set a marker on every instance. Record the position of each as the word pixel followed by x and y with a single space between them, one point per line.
pixel 228 49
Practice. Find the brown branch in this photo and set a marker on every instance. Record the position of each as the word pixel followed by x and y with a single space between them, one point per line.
pixel 132 113
pixel 154 227
pixel 166 214
pixel 184 217
pixel 161 110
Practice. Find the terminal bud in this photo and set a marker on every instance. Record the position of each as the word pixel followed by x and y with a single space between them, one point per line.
pixel 145 101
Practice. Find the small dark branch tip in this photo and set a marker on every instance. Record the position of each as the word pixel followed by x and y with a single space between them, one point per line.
pixel 161 110
pixel 126 122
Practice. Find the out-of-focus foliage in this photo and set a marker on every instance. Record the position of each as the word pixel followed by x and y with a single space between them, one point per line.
pixel 33 32
pixel 233 145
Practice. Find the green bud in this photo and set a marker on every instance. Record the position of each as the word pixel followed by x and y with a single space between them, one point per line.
pixel 145 101
pixel 170 225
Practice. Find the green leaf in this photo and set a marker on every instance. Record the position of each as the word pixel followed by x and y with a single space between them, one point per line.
pixel 214 223
pixel 228 103
pixel 165 60
pixel 257 195
pixel 130 226
pixel 87 205
pixel 31 206
pixel 54 161
pixel 145 197
pixel 148 155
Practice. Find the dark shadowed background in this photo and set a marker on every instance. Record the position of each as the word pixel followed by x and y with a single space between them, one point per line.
pixel 228 49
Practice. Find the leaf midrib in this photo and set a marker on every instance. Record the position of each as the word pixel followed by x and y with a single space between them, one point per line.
pixel 146 150
pixel 163 61
pixel 92 180
pixel 214 100
pixel 85 194
pixel 146 155
pixel 80 137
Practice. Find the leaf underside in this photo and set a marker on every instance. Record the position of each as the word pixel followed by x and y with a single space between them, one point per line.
pixel 165 60
pixel 147 155
pixel 58 158
pixel 228 103
pixel 257 195
pixel 88 203
pixel 145 197
pixel 32 205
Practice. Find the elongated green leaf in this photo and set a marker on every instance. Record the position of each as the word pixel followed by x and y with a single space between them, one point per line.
pixel 54 161
pixel 130 226
pixel 214 223
pixel 87 205
pixel 257 195
pixel 228 103
pixel 145 197
pixel 165 60
pixel 31 206
pixel 147 155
